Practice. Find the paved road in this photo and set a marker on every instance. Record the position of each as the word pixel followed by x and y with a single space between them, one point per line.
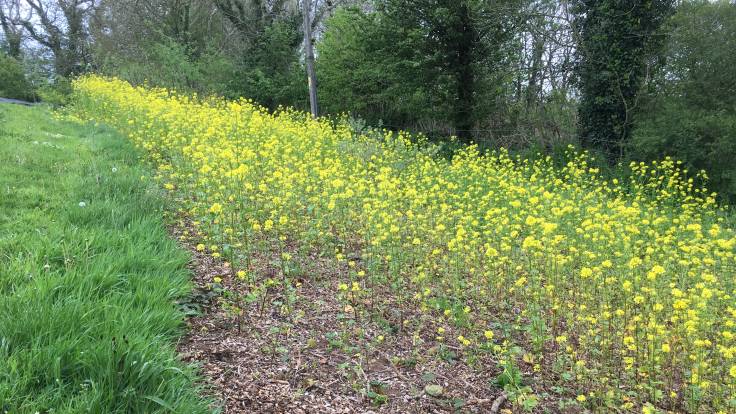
pixel 16 101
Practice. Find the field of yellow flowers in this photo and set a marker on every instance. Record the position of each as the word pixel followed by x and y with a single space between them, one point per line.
pixel 624 288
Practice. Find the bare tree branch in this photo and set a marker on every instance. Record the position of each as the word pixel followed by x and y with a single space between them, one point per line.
pixel 11 28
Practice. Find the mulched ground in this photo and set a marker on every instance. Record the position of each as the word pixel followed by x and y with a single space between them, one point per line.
pixel 317 358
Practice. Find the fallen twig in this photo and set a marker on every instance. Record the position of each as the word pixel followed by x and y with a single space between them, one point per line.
pixel 498 403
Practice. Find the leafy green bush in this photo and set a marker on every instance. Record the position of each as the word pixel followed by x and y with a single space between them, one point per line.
pixel 13 82
pixel 356 76
pixel 401 65
pixel 690 112
pixel 270 71
pixel 702 138
pixel 168 63
pixel 57 92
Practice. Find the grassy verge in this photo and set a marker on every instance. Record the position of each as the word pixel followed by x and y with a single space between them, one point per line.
pixel 88 275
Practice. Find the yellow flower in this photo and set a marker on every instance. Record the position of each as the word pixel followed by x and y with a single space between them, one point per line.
pixel 559 241
pixel 216 208
pixel 627 285
pixel 548 228
pixel 654 272
pixel 200 247
pixel 268 224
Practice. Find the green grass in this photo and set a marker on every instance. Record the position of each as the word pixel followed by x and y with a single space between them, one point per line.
pixel 88 319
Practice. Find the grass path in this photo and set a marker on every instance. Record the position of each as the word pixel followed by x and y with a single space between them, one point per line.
pixel 88 275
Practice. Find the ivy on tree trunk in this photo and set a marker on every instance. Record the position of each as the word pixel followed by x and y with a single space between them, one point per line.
pixel 615 38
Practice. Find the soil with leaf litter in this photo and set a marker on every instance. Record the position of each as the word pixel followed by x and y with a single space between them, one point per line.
pixel 317 355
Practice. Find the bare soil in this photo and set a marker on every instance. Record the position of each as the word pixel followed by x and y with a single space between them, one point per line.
pixel 318 355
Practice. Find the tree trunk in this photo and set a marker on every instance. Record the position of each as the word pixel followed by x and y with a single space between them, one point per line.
pixel 464 75
pixel 10 30
pixel 534 87
pixel 14 41
pixel 309 59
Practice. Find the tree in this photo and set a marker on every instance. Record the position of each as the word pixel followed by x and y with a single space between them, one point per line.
pixel 309 59
pixel 690 104
pixel 61 26
pixel 13 82
pixel 180 44
pixel 459 43
pixel 269 35
pixel 418 64
pixel 355 75
pixel 542 104
pixel 615 38
pixel 10 17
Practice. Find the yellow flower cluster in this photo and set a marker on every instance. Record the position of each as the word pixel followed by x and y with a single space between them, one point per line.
pixel 634 279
